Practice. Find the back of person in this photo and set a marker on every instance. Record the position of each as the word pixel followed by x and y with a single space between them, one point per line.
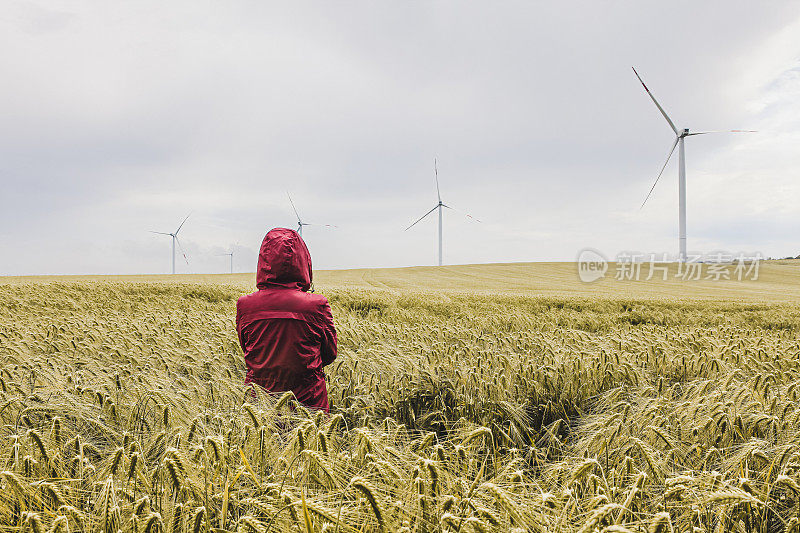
pixel 286 333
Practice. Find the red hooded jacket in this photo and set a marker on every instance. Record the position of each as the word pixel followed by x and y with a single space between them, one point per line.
pixel 286 332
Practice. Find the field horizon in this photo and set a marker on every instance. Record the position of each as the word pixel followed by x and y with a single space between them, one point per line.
pixel 778 281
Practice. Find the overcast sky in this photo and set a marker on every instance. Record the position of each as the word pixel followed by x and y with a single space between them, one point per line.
pixel 117 118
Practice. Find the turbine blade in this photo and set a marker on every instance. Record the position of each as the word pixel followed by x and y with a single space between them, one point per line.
pixel 315 224
pixel 662 171
pixel 160 232
pixel 671 125
pixel 181 249
pixel 436 173
pixel 721 131
pixel 182 223
pixel 462 212
pixel 420 218
pixel 293 207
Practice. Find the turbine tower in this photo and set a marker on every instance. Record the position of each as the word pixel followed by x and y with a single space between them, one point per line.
pixel 174 236
pixel 438 206
pixel 231 255
pixel 680 136
pixel 300 222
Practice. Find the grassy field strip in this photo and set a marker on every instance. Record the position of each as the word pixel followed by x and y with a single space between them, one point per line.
pixel 779 281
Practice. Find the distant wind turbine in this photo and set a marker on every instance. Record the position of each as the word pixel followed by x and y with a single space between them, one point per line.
pixel 175 240
pixel 300 222
pixel 230 254
pixel 679 138
pixel 438 206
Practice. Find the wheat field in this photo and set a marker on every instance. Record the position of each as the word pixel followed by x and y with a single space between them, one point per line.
pixel 472 398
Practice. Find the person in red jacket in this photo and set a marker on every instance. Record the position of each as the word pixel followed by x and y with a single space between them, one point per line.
pixel 287 333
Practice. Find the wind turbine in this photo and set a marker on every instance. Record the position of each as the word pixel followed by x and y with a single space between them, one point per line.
pixel 679 140
pixel 230 254
pixel 438 206
pixel 175 240
pixel 300 222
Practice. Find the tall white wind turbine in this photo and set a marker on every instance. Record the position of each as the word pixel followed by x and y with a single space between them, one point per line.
pixel 300 222
pixel 438 206
pixel 679 139
pixel 174 236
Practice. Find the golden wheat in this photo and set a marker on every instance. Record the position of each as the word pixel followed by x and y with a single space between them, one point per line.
pixel 123 409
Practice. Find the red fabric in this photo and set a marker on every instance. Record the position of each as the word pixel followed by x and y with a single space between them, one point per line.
pixel 287 333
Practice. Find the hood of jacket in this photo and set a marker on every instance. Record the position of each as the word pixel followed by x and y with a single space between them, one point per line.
pixel 284 261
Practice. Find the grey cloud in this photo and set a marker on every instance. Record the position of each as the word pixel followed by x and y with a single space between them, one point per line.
pixel 123 117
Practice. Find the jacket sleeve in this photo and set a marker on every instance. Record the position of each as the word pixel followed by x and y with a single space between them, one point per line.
pixel 239 329
pixel 328 349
